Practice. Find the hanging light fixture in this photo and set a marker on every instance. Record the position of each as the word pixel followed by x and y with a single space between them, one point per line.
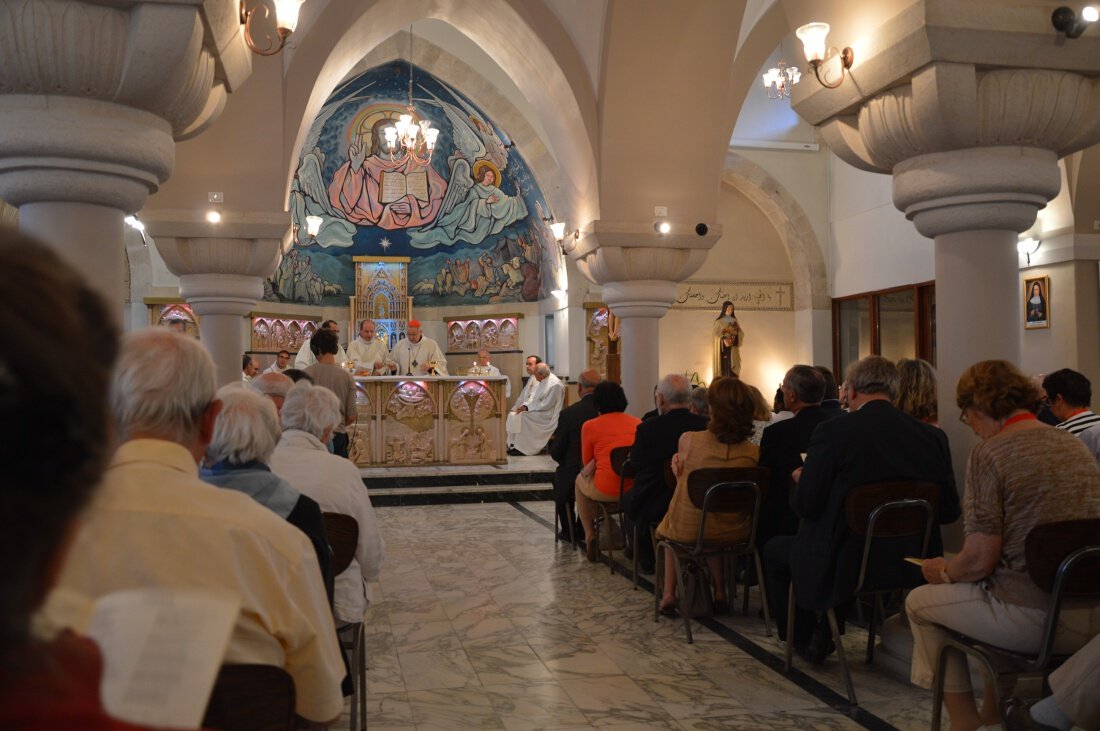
pixel 410 137
pixel 779 81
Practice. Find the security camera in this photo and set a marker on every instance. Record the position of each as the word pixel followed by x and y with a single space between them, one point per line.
pixel 701 229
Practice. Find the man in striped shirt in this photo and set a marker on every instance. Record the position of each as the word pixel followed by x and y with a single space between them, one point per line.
pixel 1069 394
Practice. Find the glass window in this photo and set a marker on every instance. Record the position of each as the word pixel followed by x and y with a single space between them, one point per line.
pixel 854 336
pixel 897 328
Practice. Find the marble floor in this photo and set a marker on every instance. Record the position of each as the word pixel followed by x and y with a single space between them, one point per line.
pixel 485 622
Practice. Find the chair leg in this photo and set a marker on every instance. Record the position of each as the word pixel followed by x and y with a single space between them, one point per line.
pixel 683 600
pixel 745 599
pixel 361 651
pixel 572 525
pixel 634 537
pixel 840 656
pixel 878 609
pixel 763 593
pixel 937 687
pixel 658 580
pixel 790 623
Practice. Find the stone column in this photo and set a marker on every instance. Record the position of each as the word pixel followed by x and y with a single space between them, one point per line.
pixel 93 96
pixel 638 270
pixel 974 155
pixel 222 279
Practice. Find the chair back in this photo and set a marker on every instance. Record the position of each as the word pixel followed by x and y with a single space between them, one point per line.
pixel 620 462
pixel 251 698
pixel 342 533
pixel 727 490
pixel 891 510
pixel 1063 559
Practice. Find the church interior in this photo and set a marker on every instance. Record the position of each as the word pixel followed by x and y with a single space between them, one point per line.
pixel 591 181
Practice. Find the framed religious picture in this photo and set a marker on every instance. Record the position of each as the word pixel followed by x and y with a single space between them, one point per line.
pixel 1036 302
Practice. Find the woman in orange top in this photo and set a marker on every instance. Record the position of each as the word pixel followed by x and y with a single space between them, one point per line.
pixel 597 482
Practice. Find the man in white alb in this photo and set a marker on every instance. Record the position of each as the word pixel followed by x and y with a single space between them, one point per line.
pixel 484 367
pixel 525 392
pixel 531 424
pixel 370 356
pixel 306 358
pixel 418 355
pixel 282 361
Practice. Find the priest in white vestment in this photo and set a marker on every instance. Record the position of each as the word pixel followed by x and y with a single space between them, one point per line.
pixel 484 367
pixel 370 356
pixel 306 358
pixel 418 355
pixel 531 424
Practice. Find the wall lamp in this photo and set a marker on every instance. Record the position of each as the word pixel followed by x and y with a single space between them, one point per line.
pixel 1067 21
pixel 662 227
pixel 813 37
pixel 286 20
pixel 1027 247
pixel 313 225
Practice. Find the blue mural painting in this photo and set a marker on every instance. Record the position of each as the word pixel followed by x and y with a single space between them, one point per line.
pixel 471 219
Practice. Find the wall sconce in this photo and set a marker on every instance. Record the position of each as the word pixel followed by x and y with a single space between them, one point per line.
pixel 213 216
pixel 1068 22
pixel 558 229
pixel 286 20
pixel 313 225
pixel 561 294
pixel 813 37
pixel 662 226
pixel 1027 247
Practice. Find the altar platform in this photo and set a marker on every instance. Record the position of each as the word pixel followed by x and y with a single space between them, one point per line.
pixel 520 478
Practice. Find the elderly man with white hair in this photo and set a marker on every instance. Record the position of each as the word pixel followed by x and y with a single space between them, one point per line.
pixel 245 435
pixel 531 423
pixel 274 386
pixel 156 524
pixel 310 413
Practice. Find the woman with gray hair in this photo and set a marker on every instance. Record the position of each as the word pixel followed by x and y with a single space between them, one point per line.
pixel 245 434
pixel 310 413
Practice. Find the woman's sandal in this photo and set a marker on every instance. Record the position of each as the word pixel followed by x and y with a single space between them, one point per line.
pixel 669 611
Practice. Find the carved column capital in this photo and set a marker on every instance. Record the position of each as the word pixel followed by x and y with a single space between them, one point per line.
pixel 971 149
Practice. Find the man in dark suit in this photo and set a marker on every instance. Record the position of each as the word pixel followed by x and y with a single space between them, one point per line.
pixel 565 448
pixel 655 441
pixel 784 443
pixel 875 442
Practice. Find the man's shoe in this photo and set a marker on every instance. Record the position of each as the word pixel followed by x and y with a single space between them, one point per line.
pixel 1017 716
pixel 513 452
pixel 820 647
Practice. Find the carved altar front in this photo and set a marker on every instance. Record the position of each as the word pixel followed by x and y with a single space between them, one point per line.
pixel 448 420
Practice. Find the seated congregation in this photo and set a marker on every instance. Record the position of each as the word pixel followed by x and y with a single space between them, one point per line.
pixel 153 478
pixel 844 500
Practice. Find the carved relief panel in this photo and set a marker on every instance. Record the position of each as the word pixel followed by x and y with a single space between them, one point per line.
pixel 469 423
pixel 271 333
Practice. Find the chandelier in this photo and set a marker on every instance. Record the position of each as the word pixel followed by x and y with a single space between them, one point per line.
pixel 410 137
pixel 780 80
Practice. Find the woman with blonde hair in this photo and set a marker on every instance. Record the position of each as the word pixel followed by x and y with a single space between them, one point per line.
pixel 1022 474
pixel 724 443
pixel 917 390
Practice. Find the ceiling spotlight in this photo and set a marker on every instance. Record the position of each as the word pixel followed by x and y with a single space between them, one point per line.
pixel 662 227
pixel 213 216
pixel 1067 21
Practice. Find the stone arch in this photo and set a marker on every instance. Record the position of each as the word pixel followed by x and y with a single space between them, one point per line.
pixel 811 288
pixel 524 38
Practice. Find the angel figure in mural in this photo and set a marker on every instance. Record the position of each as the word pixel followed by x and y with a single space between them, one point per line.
pixel 474 208
pixel 308 192
pixel 727 337
pixel 471 134
pixel 372 190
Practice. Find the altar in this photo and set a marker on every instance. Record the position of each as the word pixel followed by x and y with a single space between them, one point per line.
pixel 442 420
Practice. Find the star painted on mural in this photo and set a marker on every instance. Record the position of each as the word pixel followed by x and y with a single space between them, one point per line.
pixel 385 243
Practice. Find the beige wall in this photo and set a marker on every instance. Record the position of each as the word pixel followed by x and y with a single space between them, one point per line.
pixel 1073 338
pixel 750 249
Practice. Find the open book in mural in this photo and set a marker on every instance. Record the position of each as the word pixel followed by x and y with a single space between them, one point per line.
pixel 471 219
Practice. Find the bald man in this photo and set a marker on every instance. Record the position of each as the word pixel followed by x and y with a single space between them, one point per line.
pixel 531 424
pixel 370 355
pixel 418 355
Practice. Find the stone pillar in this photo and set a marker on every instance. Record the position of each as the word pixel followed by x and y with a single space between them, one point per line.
pixel 638 270
pixel 90 133
pixel 639 306
pixel 222 279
